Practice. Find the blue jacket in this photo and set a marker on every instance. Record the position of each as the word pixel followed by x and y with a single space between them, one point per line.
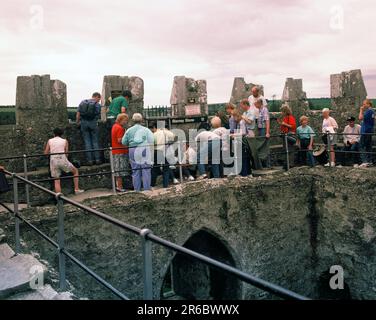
pixel 138 135
pixel 368 123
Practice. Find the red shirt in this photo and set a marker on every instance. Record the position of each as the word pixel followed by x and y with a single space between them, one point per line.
pixel 292 122
pixel 117 133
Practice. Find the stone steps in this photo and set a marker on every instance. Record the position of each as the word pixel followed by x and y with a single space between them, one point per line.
pixel 17 272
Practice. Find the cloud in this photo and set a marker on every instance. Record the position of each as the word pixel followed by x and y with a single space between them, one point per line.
pixel 265 41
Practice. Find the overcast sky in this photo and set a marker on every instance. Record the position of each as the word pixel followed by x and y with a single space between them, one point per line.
pixel 264 41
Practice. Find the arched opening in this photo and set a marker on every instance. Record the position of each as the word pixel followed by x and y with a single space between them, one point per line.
pixel 190 279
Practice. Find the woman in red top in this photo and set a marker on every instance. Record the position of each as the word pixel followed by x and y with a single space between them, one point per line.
pixel 288 122
pixel 288 126
pixel 120 152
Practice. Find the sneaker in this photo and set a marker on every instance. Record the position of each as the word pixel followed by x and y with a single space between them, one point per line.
pixel 356 166
pixel 121 190
pixel 327 165
pixel 364 165
pixel 191 178
pixel 176 181
pixel 79 191
pixel 333 164
pixel 203 177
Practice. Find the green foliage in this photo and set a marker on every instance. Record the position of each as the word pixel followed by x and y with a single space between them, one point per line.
pixel 7 115
pixel 72 114
pixel 320 103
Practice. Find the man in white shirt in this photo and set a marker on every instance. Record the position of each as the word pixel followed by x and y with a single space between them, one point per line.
pixel 209 148
pixel 351 139
pixel 249 117
pixel 162 138
pixel 253 98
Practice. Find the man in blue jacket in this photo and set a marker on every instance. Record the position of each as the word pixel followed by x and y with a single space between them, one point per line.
pixel 367 116
pixel 140 141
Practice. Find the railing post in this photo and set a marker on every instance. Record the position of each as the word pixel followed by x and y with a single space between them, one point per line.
pixel 180 160
pixel 27 187
pixel 147 264
pixel 287 153
pixel 236 165
pixel 112 171
pixel 16 211
pixel 61 242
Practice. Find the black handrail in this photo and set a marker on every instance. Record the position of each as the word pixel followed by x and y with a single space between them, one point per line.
pixel 259 283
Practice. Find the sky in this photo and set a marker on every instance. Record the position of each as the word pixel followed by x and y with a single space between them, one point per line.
pixel 78 42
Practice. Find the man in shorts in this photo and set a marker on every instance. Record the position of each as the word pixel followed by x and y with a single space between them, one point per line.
pixel 57 148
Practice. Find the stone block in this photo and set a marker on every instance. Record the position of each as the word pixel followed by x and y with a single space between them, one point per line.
pixel 187 92
pixel 294 96
pixel 242 90
pixel 115 85
pixel 16 274
pixel 347 92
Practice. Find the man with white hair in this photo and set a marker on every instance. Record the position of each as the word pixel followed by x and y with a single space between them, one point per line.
pixel 140 141
pixel 256 95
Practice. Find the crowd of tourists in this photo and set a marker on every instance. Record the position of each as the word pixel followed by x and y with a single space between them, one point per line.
pixel 145 152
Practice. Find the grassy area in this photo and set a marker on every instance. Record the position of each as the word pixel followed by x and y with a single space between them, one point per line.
pixel 7 115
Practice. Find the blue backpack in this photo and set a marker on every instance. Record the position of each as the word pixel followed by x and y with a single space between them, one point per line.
pixel 88 110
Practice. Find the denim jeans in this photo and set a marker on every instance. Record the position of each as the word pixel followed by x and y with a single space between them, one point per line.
pixel 262 132
pixel 141 171
pixel 366 146
pixel 160 160
pixel 90 132
pixel 354 157
pixel 305 155
pixel 210 151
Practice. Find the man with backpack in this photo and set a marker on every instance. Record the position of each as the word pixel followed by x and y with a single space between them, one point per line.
pixel 87 117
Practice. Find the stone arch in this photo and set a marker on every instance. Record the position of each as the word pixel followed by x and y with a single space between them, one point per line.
pixel 188 279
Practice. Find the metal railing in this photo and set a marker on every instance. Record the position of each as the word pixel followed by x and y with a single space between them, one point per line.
pixel 179 165
pixel 330 146
pixel 112 172
pixel 157 112
pixel 147 239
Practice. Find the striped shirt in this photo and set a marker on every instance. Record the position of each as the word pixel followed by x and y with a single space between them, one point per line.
pixel 263 117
